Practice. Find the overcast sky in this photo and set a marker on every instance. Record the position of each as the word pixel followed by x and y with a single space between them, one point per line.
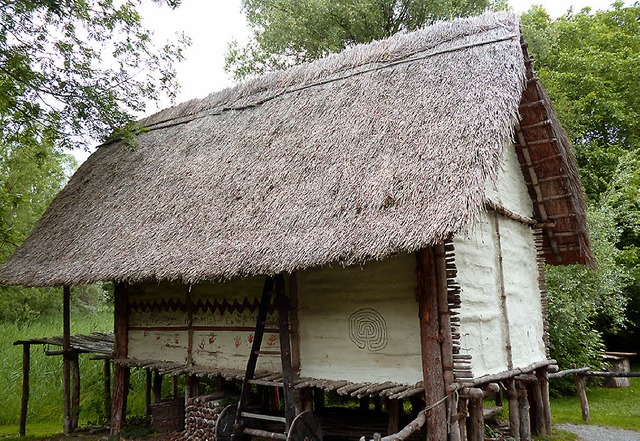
pixel 212 24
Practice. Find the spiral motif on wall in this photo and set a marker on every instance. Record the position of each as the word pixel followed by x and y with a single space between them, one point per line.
pixel 368 329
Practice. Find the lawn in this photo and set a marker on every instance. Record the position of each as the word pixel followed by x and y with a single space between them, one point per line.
pixel 609 407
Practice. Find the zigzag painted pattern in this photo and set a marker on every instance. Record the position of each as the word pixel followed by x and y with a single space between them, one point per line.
pixel 203 306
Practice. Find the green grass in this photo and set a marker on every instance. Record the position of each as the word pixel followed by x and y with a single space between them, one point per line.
pixel 609 407
pixel 45 402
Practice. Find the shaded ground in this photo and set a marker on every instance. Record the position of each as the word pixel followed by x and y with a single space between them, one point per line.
pixel 597 433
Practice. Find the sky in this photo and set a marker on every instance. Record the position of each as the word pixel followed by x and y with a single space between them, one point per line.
pixel 211 24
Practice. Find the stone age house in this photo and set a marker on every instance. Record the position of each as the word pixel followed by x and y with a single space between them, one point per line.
pixel 402 197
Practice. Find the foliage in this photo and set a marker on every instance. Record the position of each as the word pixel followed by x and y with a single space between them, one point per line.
pixel 75 70
pixel 579 297
pixel 288 32
pixel 590 64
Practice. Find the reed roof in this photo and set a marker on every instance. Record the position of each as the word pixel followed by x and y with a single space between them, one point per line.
pixel 382 148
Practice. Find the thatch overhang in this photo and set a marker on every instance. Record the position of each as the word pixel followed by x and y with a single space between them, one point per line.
pixel 381 149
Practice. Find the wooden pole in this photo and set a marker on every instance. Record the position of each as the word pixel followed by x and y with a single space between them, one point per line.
pixel 66 359
pixel 147 393
pixel 580 381
pixel 523 410
pixel 543 379
pixel 430 339
pixel 538 427
pixel 75 397
pixel 120 372
pixel 476 417
pixel 26 363
pixel 157 386
pixel 514 412
pixel 393 423
pixel 174 381
pixel 106 392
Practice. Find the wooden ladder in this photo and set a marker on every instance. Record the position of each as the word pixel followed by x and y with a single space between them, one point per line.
pixel 242 415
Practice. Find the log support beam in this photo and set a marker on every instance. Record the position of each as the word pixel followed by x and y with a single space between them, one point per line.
pixel 26 363
pixel 430 341
pixel 120 373
pixel 66 360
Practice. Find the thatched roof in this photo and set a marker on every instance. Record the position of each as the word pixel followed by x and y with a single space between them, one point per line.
pixel 383 148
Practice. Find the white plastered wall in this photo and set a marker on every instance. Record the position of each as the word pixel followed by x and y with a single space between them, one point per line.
pixel 484 328
pixel 224 316
pixel 361 323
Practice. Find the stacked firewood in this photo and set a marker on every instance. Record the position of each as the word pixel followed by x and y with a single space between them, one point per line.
pixel 201 415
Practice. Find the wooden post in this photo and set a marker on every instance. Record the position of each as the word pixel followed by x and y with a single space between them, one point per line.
pixel 75 397
pixel 476 417
pixel 523 410
pixel 430 339
pixel 393 423
pixel 514 412
pixel 538 427
pixel 364 403
pixel 66 359
pixel 147 394
pixel 543 379
pixel 318 399
pixel 462 418
pixel 26 363
pixel 106 392
pixel 157 386
pixel 175 387
pixel 120 372
pixel 580 381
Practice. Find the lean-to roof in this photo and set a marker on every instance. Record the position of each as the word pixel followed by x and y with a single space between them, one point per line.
pixel 383 148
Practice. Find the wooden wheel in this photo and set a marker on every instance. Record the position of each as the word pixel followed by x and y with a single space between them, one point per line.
pixel 305 427
pixel 225 422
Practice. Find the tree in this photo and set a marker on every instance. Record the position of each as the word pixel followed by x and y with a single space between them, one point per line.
pixel 590 65
pixel 76 70
pixel 288 32
pixel 70 71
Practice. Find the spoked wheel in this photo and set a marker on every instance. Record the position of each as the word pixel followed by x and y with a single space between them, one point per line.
pixel 224 425
pixel 305 427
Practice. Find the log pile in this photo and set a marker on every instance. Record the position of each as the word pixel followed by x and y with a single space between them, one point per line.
pixel 201 415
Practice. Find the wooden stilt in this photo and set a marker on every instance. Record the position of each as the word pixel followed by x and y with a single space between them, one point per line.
pixel 174 393
pixel 393 423
pixel 364 403
pixel 462 418
pixel 377 404
pixel 430 339
pixel 523 410
pixel 66 359
pixel 514 412
pixel 75 397
pixel 106 391
pixel 476 417
pixel 318 399
pixel 26 363
pixel 581 381
pixel 543 379
pixel 537 409
pixel 147 394
pixel 157 386
pixel 120 373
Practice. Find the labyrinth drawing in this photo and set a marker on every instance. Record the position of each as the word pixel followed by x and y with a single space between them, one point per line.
pixel 368 330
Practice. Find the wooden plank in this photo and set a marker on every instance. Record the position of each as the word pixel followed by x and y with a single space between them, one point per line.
pixel 66 363
pixel 26 363
pixel 431 355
